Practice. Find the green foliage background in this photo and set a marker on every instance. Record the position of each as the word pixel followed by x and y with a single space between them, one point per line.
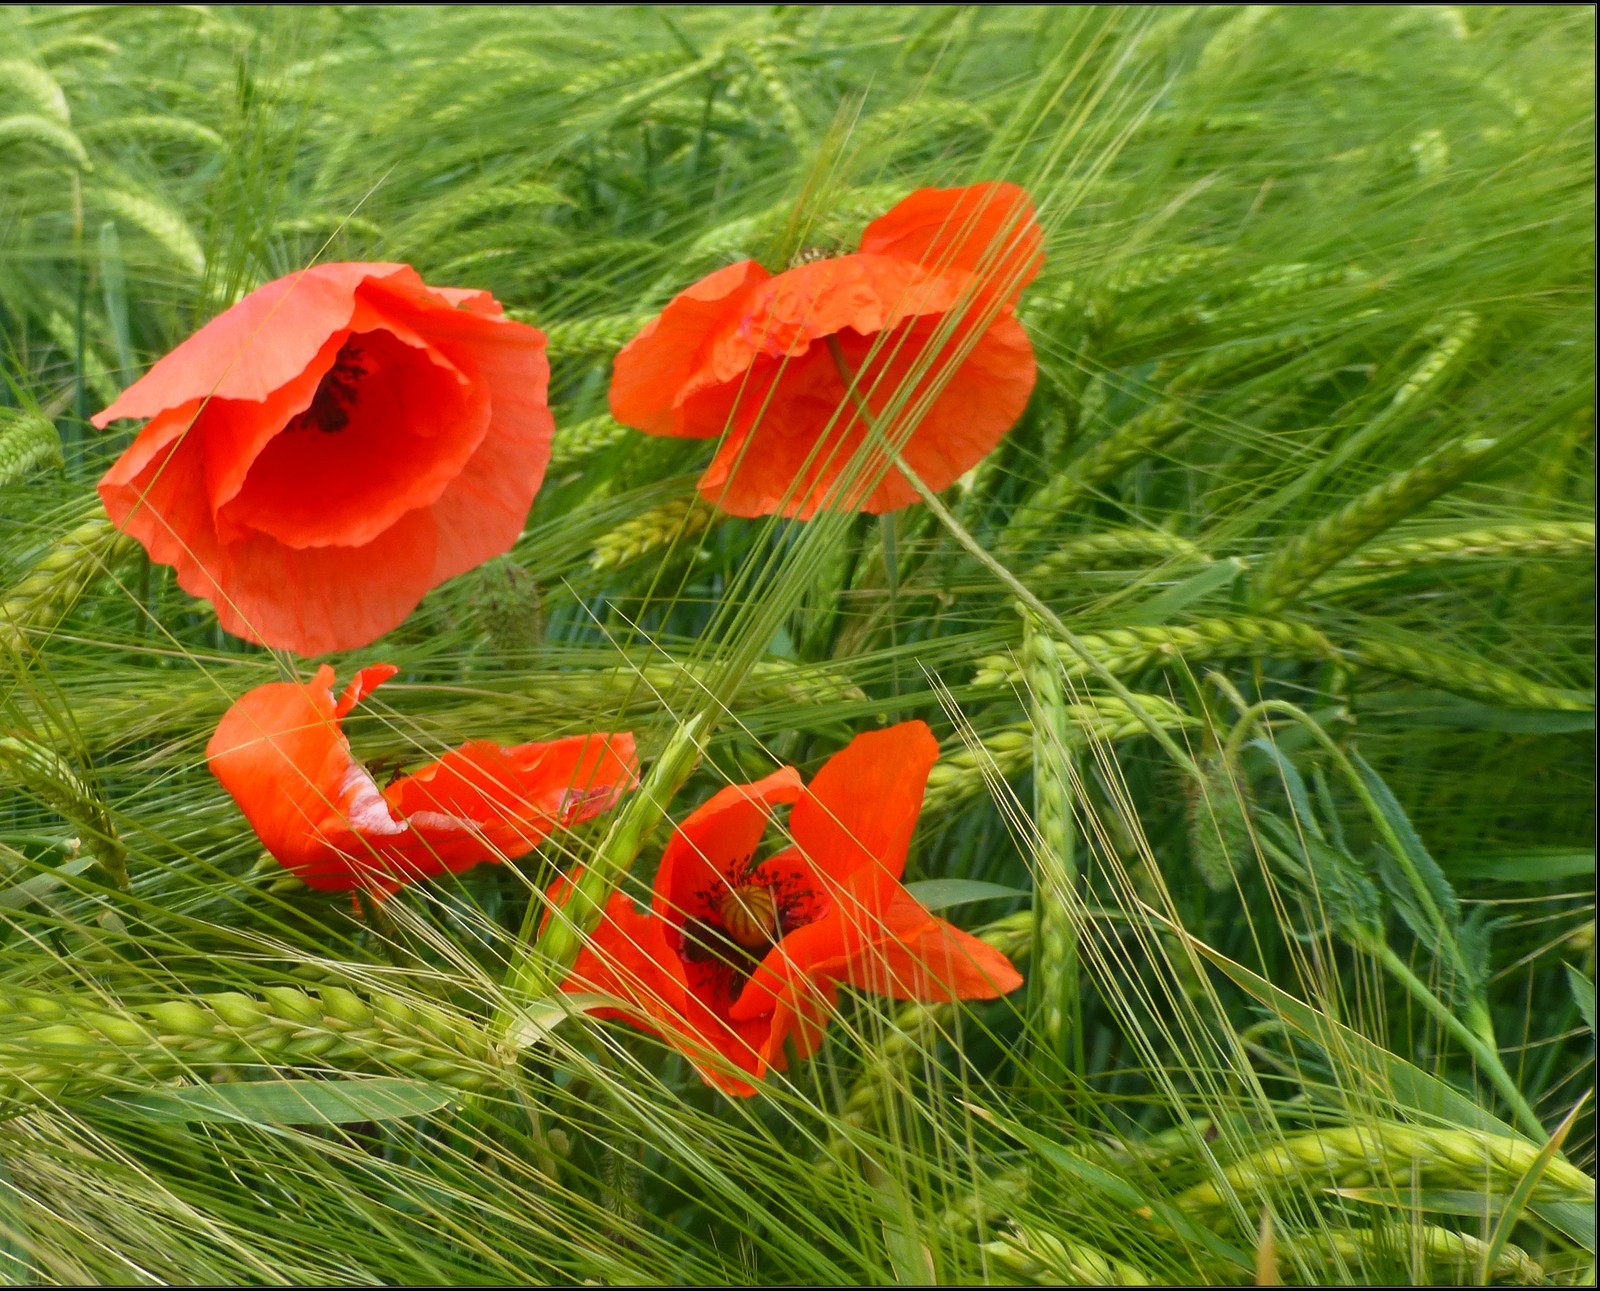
pixel 1314 425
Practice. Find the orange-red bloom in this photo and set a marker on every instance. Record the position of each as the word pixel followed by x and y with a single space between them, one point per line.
pixel 924 318
pixel 281 752
pixel 320 455
pixel 740 952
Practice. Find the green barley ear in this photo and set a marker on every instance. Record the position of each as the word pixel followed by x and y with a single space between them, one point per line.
pixel 582 338
pixel 1129 650
pixel 164 225
pixel 1118 549
pixel 1303 559
pixel 1378 1153
pixel 585 439
pixel 1056 873
pixel 27 80
pixel 671 522
pixel 758 53
pixel 50 589
pixel 51 778
pixel 51 1045
pixel 27 442
pixel 1050 1259
pixel 1557 540
pixel 1139 437
pixel 1449 1257
pixel 964 771
pixel 155 128
pixel 1417 659
pixel 44 132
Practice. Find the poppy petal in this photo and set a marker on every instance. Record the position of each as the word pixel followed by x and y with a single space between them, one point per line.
pixel 405 440
pixel 721 833
pixel 808 450
pixel 984 229
pixel 280 753
pixel 247 352
pixel 509 799
pixel 922 957
pixel 363 684
pixel 803 1009
pixel 392 433
pixel 483 512
pixel 785 316
pixel 319 598
pixel 855 819
pixel 627 957
pixel 156 494
pixel 655 365
pixel 231 433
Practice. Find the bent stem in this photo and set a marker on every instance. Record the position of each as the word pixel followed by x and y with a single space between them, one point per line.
pixel 1015 585
pixel 1484 1053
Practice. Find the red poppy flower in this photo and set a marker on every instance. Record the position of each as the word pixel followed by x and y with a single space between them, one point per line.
pixel 924 317
pixel 281 752
pixel 320 455
pixel 741 952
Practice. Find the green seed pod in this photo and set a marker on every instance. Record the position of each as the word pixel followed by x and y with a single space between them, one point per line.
pixel 292 1005
pixel 118 1028
pixel 394 1013
pixel 62 1034
pixel 440 1069
pixel 1219 831
pixel 345 1006
pixel 505 598
pixel 181 1017
pixel 236 1009
pixel 314 1044
pixel 212 1052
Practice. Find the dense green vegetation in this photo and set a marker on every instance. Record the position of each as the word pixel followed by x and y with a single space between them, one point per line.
pixel 1308 476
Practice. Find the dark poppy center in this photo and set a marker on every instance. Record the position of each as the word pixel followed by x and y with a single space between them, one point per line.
pixel 737 920
pixel 336 392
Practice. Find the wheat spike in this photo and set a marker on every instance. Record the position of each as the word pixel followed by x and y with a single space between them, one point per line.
pixel 27 442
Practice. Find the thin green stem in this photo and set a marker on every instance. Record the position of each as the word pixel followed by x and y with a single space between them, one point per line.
pixel 1014 584
pixel 543 960
pixel 1487 1057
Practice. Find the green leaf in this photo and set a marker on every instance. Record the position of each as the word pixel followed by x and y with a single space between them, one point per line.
pixel 1529 865
pixel 1389 805
pixel 1294 785
pixel 31 889
pixel 289 1102
pixel 1162 607
pixel 535 1021
pixel 941 894
pixel 1583 995
pixel 1410 1088
pixel 1343 889
pixel 1423 708
pixel 1522 1194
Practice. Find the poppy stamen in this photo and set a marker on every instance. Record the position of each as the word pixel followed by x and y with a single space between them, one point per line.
pixel 330 406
